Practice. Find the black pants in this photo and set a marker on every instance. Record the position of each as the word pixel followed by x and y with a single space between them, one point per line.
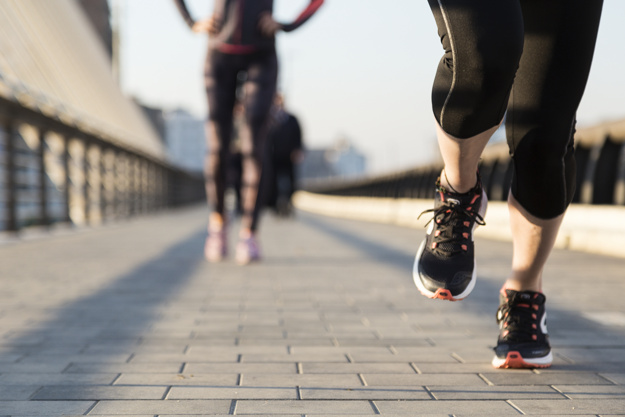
pixel 223 74
pixel 530 58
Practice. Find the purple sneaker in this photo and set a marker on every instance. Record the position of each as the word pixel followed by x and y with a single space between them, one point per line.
pixel 216 247
pixel 247 251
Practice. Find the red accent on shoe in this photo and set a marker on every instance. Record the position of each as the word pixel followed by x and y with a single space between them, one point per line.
pixel 444 294
pixel 515 360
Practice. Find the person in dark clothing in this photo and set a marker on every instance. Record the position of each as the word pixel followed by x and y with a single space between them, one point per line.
pixel 530 60
pixel 284 152
pixel 241 41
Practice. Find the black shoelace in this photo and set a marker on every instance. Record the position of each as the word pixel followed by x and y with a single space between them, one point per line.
pixel 450 221
pixel 520 321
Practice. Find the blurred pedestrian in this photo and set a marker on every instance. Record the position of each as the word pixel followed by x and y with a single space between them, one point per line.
pixel 284 153
pixel 241 41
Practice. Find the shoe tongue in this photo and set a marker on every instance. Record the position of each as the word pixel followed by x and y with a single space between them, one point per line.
pixel 458 199
pixel 525 296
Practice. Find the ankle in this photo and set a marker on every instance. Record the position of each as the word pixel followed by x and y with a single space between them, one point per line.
pixel 216 222
pixel 458 184
pixel 522 285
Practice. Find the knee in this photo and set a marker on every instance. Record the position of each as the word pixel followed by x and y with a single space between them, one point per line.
pixel 544 178
pixel 494 63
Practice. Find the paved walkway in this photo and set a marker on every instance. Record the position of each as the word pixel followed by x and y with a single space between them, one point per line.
pixel 129 320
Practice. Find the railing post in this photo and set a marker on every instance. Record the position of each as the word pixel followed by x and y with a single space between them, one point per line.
pixel 619 187
pixel 43 190
pixel 130 183
pixel 85 184
pixel 11 197
pixel 104 179
pixel 67 179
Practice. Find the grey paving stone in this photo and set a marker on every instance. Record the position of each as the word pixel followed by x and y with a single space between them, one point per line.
pixel 584 392
pixel 275 407
pixel 394 414
pixel 286 342
pixel 538 392
pixel 65 359
pixel 200 350
pixel 97 393
pixel 571 407
pixel 308 380
pixel 56 379
pixel 28 368
pixel 461 368
pixel 225 415
pixel 9 357
pixel 305 350
pixel 546 378
pixel 307 357
pixel 236 392
pixel 356 368
pixel 182 407
pixel 465 408
pixel 365 393
pixel 45 408
pixel 178 379
pixel 616 378
pixel 218 357
pixel 238 368
pixel 427 355
pixel 149 368
pixel 423 379
pixel 17 392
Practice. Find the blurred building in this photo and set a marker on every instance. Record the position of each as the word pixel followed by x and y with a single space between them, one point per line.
pixel 156 116
pixel 184 138
pixel 341 160
pixel 99 14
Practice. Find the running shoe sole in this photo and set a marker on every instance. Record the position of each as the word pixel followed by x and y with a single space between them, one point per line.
pixel 514 360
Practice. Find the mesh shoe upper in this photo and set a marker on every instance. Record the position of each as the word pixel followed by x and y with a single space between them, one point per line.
pixel 247 251
pixel 523 328
pixel 216 247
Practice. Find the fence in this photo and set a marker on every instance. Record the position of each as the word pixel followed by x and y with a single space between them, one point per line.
pixel 53 169
pixel 599 156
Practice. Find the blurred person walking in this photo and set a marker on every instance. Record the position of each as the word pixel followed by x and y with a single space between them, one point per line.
pixel 241 44
pixel 284 152
pixel 532 59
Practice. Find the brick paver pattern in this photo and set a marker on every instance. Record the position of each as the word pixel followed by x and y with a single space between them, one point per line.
pixel 128 319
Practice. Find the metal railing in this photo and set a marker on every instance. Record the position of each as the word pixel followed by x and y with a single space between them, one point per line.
pixel 599 156
pixel 55 170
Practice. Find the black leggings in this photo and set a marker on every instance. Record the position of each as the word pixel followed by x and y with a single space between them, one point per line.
pixel 222 75
pixel 530 58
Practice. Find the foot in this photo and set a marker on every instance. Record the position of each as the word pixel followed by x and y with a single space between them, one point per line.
pixel 247 251
pixel 216 246
pixel 445 263
pixel 523 341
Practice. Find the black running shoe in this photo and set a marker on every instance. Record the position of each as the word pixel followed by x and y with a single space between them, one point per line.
pixel 523 341
pixel 445 263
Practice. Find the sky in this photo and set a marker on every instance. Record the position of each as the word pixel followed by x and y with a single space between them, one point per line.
pixel 359 69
